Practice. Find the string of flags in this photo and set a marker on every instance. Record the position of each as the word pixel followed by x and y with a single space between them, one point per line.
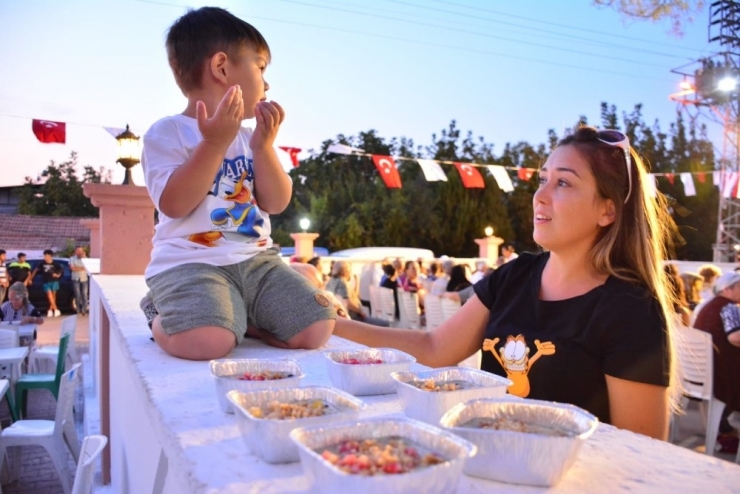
pixel 49 132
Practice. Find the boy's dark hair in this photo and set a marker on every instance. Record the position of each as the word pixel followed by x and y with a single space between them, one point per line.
pixel 49 252
pixel 199 34
pixel 21 254
pixel 389 270
pixel 2 251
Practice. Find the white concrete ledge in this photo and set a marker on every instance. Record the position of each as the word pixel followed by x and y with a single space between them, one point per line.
pixel 168 434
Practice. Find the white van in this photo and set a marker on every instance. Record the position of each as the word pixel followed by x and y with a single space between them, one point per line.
pixel 380 253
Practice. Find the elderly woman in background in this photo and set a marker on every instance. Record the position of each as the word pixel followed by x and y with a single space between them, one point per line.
pixel 18 308
pixel 339 285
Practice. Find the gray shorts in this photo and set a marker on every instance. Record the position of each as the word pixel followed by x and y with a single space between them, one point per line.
pixel 262 291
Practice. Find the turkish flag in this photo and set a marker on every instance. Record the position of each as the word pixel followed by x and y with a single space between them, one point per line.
pixel 293 152
pixel 702 177
pixel 525 173
pixel 671 178
pixel 47 131
pixel 387 168
pixel 471 178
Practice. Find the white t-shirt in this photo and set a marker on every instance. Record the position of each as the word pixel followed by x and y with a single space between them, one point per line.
pixel 227 226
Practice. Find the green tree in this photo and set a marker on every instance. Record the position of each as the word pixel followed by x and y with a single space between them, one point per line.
pixel 58 190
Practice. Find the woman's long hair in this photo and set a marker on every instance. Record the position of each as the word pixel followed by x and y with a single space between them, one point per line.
pixel 634 247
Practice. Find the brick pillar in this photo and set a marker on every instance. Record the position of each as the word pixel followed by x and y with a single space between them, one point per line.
pixel 93 224
pixel 304 244
pixel 488 248
pixel 126 226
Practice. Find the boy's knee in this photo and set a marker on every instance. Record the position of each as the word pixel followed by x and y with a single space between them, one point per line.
pixel 314 336
pixel 203 343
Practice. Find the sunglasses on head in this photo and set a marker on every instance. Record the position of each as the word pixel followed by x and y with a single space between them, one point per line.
pixel 616 138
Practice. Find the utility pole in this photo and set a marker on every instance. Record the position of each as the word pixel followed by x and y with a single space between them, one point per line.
pixel 713 83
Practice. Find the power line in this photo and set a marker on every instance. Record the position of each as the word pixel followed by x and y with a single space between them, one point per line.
pixel 468 32
pixel 622 36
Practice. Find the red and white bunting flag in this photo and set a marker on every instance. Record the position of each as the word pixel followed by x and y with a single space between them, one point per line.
pixel 471 178
pixel 671 178
pixel 47 131
pixel 432 171
pixel 688 184
pixel 388 171
pixel 651 186
pixel 293 152
pixel 525 173
pixel 502 177
pixel 729 188
pixel 702 176
pixel 717 179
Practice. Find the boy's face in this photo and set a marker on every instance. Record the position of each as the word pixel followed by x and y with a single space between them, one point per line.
pixel 248 72
pixel 47 257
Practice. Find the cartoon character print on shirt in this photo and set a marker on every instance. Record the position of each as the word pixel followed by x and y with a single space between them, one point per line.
pixel 243 214
pixel 516 361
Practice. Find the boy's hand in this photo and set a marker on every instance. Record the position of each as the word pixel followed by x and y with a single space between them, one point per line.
pixel 269 116
pixel 222 127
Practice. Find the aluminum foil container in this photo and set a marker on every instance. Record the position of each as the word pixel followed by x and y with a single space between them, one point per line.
pixel 366 379
pixel 269 439
pixel 229 367
pixel 429 406
pixel 441 478
pixel 521 457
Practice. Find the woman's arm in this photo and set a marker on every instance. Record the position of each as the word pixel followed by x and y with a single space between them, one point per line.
pixel 638 407
pixel 456 339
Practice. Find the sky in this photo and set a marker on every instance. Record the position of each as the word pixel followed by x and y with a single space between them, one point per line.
pixel 507 70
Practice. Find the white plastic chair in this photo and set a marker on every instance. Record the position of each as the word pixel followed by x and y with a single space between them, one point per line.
pixel 695 354
pixel 50 352
pixel 8 338
pixel 55 436
pixel 375 308
pixel 408 310
pixel 387 304
pixel 433 311
pixel 92 446
pixel 449 307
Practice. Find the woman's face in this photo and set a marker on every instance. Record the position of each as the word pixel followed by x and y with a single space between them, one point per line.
pixel 568 212
pixel 16 301
pixel 413 271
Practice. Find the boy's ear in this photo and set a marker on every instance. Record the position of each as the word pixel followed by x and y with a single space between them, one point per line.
pixel 218 66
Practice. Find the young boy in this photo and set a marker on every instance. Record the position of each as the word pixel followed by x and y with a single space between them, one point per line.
pixel 212 271
pixel 51 271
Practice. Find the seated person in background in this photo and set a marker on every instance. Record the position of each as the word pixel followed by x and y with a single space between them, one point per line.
pixel 710 273
pixel 20 271
pixel 18 308
pixel 440 284
pixel 507 254
pixel 339 285
pixel 412 283
pixel 391 281
pixel 680 306
pixel 692 284
pixel 481 269
pixel 720 317
pixel 370 275
pixel 458 278
pixel 433 272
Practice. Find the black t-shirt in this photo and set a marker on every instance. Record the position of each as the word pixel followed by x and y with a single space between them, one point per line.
pixel 48 269
pixel 562 350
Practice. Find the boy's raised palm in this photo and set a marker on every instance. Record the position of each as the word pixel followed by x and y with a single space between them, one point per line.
pixel 222 127
pixel 269 116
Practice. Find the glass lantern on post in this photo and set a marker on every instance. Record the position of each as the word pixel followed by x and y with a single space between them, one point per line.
pixel 128 153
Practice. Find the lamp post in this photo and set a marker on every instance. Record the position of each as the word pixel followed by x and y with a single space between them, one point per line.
pixel 128 153
pixel 305 223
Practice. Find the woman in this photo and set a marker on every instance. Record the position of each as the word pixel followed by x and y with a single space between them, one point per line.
pixel 18 308
pixel 584 322
pixel 459 279
pixel 680 304
pixel 693 285
pixel 339 285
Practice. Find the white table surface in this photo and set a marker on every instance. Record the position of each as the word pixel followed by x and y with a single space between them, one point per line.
pixel 205 443
pixel 26 330
pixel 13 355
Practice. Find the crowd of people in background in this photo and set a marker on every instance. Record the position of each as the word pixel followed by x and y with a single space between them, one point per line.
pixel 18 275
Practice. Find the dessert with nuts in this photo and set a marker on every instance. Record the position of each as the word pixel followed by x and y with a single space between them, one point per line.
pixel 448 385
pixel 299 409
pixel 514 425
pixel 381 456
